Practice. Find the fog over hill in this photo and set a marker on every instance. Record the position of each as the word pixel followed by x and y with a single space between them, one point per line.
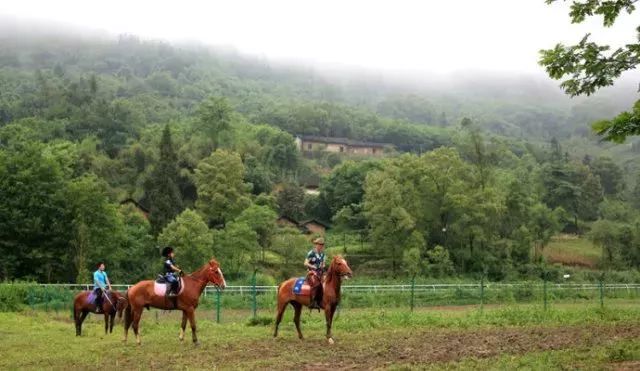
pixel 500 101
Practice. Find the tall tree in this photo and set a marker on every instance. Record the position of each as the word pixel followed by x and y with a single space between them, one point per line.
pixel 222 193
pixel 291 201
pixel 393 229
pixel 610 174
pixel 95 224
pixel 161 187
pixel 191 237
pixel 262 220
pixel 214 116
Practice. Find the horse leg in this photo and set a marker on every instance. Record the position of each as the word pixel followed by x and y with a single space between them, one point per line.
pixel 137 313
pixel 296 317
pixel 112 318
pixel 192 320
pixel 80 316
pixel 183 326
pixel 282 306
pixel 128 318
pixel 106 323
pixel 328 313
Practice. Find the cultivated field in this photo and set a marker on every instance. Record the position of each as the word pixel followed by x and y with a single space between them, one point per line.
pixel 499 337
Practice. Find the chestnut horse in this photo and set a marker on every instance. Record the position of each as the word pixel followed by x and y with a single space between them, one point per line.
pixel 142 295
pixel 330 299
pixel 82 307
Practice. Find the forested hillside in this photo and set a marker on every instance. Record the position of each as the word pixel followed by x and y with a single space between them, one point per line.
pixel 481 175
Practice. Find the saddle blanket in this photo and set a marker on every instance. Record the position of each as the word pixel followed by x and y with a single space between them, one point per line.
pixel 300 287
pixel 91 298
pixel 160 289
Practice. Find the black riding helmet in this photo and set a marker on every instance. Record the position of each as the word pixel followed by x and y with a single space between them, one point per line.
pixel 166 251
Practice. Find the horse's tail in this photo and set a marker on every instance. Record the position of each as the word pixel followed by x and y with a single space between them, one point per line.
pixel 128 315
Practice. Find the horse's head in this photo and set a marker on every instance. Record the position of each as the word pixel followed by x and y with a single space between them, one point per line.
pixel 340 267
pixel 120 302
pixel 214 274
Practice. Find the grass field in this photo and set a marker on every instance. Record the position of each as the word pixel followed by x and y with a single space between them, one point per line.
pixel 567 336
pixel 572 251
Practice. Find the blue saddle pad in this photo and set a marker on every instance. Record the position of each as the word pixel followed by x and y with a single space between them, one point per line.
pixel 297 287
pixel 91 299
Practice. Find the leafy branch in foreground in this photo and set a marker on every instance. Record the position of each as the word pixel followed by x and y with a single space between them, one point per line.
pixel 589 66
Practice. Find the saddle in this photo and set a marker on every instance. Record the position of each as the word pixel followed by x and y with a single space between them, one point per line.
pixel 301 287
pixel 161 286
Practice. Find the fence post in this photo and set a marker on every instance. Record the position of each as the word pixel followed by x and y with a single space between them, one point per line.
pixel 601 293
pixel 46 299
pixel 217 306
pixel 482 292
pixel 544 288
pixel 413 289
pixel 255 294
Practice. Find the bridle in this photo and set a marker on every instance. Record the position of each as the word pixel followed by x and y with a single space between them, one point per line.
pixel 205 280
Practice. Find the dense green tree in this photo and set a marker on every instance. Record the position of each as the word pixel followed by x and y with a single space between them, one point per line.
pixel 96 227
pixel 257 175
pixel 345 185
pixel 222 193
pixel 192 239
pixel 290 201
pixel 544 223
pixel 393 229
pixel 635 194
pixel 214 115
pixel 238 244
pixel 33 235
pixel 132 259
pixel 611 175
pixel 161 187
pixel 262 219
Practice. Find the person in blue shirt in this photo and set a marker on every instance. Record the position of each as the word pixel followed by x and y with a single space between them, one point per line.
pixel 171 270
pixel 101 285
pixel 314 263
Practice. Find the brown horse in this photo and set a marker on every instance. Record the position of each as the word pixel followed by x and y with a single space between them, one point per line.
pixel 330 299
pixel 82 306
pixel 143 295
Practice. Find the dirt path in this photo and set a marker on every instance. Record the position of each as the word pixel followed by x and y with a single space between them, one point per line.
pixel 420 347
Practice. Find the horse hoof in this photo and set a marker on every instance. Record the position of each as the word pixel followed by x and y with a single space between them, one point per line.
pixel 196 344
pixel 330 341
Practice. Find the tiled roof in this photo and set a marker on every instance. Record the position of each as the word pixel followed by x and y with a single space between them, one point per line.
pixel 345 141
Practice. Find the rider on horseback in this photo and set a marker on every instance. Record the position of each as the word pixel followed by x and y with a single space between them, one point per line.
pixel 100 285
pixel 315 266
pixel 171 271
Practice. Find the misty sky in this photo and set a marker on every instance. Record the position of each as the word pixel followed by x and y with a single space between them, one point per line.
pixel 421 35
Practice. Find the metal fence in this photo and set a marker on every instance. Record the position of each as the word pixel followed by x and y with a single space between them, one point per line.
pixel 256 298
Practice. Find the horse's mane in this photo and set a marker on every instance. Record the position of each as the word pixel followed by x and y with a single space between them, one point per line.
pixel 335 257
pixel 211 262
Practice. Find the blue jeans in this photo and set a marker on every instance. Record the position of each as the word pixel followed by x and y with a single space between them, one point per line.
pixel 173 281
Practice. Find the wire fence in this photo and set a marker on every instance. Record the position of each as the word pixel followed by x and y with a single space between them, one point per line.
pixel 259 298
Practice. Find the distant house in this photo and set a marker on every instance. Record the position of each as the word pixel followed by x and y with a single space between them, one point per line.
pixel 285 221
pixel 143 210
pixel 312 226
pixel 309 143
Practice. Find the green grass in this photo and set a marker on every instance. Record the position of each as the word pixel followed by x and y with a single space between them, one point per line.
pixel 572 251
pixel 38 340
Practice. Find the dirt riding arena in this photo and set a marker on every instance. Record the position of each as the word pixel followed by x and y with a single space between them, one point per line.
pixel 464 338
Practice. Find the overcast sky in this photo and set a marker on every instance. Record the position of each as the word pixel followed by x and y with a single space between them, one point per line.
pixel 420 35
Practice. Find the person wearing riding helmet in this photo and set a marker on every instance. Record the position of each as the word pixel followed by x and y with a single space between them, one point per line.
pixel 171 270
pixel 315 266
pixel 101 284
